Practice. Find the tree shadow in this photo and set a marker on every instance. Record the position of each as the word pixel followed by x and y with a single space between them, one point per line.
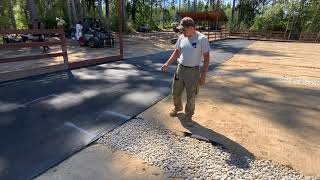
pixel 233 46
pixel 239 156
pixel 273 97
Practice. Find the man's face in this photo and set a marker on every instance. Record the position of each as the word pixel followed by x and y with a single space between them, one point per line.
pixel 187 31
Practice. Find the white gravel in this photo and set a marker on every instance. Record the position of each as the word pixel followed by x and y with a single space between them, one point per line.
pixel 189 158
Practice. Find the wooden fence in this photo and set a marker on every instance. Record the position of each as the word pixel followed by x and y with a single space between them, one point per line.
pixel 276 36
pixel 39 70
pixel 216 35
pixel 61 41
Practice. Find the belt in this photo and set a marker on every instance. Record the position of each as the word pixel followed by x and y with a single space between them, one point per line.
pixel 188 66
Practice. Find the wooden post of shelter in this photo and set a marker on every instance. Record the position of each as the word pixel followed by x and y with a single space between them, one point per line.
pixel 208 30
pixel 64 47
pixel 210 17
pixel 300 36
pixel 217 23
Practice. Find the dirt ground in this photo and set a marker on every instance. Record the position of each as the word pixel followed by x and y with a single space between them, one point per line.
pixel 264 101
pixel 137 44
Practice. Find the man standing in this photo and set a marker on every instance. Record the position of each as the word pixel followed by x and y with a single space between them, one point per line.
pixel 190 47
pixel 78 30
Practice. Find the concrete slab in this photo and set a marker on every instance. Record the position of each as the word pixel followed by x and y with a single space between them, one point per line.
pixel 101 163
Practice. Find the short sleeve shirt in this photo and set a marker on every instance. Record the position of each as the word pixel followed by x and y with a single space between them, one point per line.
pixel 192 49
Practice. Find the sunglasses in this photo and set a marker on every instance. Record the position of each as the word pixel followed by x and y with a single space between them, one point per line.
pixel 183 30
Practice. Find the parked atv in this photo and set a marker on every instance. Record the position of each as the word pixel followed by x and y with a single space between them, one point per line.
pixel 94 35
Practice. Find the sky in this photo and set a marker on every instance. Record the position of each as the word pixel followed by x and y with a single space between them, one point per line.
pixel 228 1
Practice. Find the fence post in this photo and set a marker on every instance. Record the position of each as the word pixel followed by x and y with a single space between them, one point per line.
pixel 300 35
pixel 64 47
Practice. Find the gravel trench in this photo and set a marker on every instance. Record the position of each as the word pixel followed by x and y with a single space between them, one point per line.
pixel 189 158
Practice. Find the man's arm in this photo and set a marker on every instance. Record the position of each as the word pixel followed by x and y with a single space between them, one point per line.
pixel 206 57
pixel 173 57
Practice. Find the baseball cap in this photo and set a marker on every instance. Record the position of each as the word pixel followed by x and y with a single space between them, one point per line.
pixel 186 22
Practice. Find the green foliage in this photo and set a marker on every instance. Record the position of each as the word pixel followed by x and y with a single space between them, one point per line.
pixel 312 16
pixel 159 14
pixel 5 22
pixel 247 13
pixel 274 18
pixel 21 20
pixel 154 26
pixel 130 28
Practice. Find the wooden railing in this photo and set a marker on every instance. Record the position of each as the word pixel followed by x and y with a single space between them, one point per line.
pixel 311 37
pixel 61 41
pixel 216 35
pixel 276 35
pixel 272 35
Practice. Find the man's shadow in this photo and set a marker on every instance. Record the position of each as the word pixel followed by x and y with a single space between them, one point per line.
pixel 239 156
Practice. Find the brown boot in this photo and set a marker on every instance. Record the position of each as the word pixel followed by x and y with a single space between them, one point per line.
pixel 173 113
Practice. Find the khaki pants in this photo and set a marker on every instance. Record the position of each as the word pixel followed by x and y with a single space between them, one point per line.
pixel 185 77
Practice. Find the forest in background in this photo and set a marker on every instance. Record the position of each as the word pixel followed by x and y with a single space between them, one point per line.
pixel 260 15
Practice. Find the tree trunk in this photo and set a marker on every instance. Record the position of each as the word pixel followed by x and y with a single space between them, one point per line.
pixel 212 2
pixel 133 10
pixel 33 13
pixel 194 5
pixel 232 13
pixel 239 14
pixel 107 9
pixel 74 12
pixel 69 12
pixel 11 14
pixel 151 7
pixel 1 9
pixel 100 8
pixel 124 15
pixel 84 8
pixel 79 9
pixel 301 20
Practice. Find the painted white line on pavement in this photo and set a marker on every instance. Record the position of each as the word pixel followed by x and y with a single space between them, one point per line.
pixel 25 104
pixel 117 114
pixel 69 124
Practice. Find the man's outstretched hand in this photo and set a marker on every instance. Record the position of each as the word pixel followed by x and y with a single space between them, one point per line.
pixel 202 80
pixel 164 67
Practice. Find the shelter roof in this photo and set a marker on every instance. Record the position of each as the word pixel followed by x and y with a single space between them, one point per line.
pixel 204 16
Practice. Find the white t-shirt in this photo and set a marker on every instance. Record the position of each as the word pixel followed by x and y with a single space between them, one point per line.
pixel 78 31
pixel 192 49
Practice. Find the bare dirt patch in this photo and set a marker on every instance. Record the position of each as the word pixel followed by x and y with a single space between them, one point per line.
pixel 265 99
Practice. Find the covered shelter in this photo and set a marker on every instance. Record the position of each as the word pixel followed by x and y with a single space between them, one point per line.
pixel 211 19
